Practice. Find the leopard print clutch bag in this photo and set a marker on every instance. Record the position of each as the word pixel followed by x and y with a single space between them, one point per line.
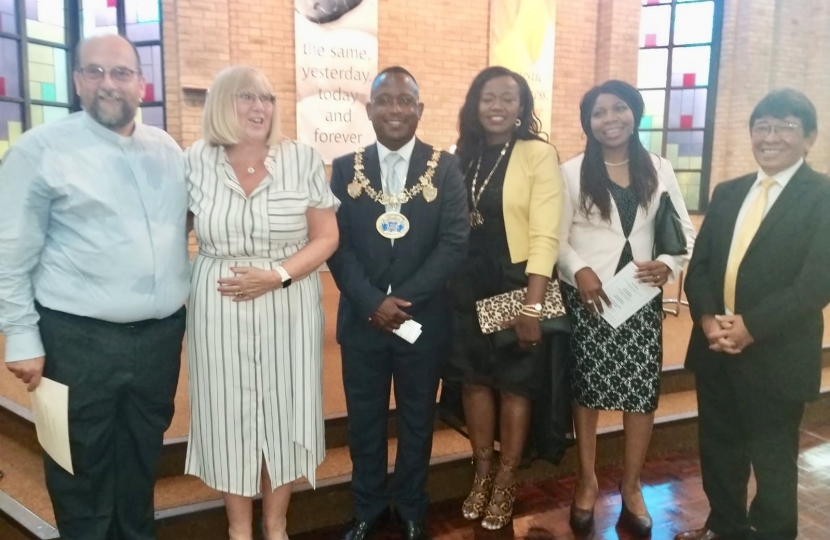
pixel 504 307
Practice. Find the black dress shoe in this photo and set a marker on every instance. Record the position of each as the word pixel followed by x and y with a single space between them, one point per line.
pixel 364 530
pixel 414 530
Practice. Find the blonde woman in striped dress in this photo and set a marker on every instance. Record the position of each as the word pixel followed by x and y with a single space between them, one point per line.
pixel 265 221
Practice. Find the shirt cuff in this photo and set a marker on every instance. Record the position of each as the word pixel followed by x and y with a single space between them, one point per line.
pixel 24 346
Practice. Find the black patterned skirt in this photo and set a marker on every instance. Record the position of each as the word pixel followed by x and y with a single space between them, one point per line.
pixel 616 370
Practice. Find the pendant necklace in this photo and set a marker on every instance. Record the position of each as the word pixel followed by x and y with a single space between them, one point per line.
pixel 476 219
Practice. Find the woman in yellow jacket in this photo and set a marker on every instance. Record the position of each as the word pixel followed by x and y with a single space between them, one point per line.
pixel 515 197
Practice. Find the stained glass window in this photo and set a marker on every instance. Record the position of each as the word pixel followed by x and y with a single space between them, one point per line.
pixel 45 20
pixel 677 61
pixel 43 43
pixel 8 16
pixel 140 22
pixel 10 68
pixel 151 64
pixel 143 20
pixel 11 125
pixel 99 17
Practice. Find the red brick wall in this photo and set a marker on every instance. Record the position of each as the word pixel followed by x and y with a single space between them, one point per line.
pixel 766 44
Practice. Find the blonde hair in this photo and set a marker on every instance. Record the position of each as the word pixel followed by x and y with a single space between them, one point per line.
pixel 220 126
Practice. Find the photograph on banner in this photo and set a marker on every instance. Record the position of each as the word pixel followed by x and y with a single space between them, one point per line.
pixel 522 36
pixel 336 49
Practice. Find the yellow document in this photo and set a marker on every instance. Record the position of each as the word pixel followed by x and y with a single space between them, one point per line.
pixel 50 403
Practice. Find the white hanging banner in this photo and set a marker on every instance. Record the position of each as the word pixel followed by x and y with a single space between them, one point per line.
pixel 336 48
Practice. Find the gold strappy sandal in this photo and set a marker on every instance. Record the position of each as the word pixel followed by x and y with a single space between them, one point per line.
pixel 480 493
pixel 499 511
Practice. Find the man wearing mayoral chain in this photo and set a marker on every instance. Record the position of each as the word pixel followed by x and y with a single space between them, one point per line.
pixel 403 232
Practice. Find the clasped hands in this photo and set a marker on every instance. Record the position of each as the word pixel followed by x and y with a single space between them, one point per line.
pixel 249 282
pixel 389 316
pixel 726 333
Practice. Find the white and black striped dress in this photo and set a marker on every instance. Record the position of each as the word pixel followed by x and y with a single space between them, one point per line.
pixel 255 367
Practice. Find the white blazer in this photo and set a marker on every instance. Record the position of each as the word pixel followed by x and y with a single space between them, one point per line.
pixel 592 242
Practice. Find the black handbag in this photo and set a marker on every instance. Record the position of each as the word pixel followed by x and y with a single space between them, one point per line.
pixel 669 238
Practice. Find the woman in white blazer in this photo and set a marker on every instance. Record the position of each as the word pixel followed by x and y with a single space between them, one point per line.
pixel 612 193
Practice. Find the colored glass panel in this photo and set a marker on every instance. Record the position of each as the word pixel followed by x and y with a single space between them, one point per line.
pixel 152 116
pixel 655 24
pixel 151 64
pixel 652 68
pixel 8 16
pixel 693 23
pixel 690 187
pixel 143 19
pixel 655 142
pixel 45 20
pixel 687 108
pixel 655 101
pixel 10 68
pixel 686 148
pixel 690 66
pixel 47 92
pixel 99 17
pixel 43 114
pixel 48 79
pixel 11 125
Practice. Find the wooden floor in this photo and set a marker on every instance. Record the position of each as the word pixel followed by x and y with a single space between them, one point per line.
pixel 672 490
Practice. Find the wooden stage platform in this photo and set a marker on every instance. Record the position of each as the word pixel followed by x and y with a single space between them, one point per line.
pixel 176 495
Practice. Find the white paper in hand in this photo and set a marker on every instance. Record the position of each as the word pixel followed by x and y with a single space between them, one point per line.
pixel 50 403
pixel 409 331
pixel 627 294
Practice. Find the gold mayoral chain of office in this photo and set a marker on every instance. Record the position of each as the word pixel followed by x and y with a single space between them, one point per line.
pixel 394 225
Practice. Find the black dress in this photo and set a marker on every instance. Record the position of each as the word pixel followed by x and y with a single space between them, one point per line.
pixel 616 369
pixel 487 272
pixel 540 373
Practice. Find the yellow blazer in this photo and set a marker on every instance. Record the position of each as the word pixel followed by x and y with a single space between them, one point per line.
pixel 532 205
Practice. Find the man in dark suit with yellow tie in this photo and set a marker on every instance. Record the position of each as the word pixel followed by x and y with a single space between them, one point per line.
pixel 403 232
pixel 757 283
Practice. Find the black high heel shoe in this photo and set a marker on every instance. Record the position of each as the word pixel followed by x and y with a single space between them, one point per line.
pixel 581 520
pixel 638 525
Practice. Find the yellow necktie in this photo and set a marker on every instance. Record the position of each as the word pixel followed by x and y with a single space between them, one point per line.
pixel 750 226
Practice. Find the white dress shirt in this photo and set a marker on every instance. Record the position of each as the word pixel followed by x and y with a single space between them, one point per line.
pixel 781 180
pixel 92 224
pixel 402 166
pixel 597 244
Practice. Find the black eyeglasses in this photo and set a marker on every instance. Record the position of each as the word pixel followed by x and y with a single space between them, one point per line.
pixel 785 130
pixel 250 98
pixel 93 73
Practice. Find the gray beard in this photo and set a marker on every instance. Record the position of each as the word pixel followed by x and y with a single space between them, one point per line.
pixel 112 120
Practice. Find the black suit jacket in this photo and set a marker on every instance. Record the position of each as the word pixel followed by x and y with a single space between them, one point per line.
pixel 783 285
pixel 417 267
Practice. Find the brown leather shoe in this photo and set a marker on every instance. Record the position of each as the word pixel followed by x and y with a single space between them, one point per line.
pixel 698 534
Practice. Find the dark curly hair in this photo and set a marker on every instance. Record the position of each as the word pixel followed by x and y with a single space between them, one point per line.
pixel 471 136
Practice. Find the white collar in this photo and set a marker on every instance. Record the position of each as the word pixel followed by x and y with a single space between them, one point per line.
pixel 782 178
pixel 404 151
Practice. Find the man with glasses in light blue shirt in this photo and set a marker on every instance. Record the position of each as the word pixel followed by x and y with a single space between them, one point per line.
pixel 93 279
